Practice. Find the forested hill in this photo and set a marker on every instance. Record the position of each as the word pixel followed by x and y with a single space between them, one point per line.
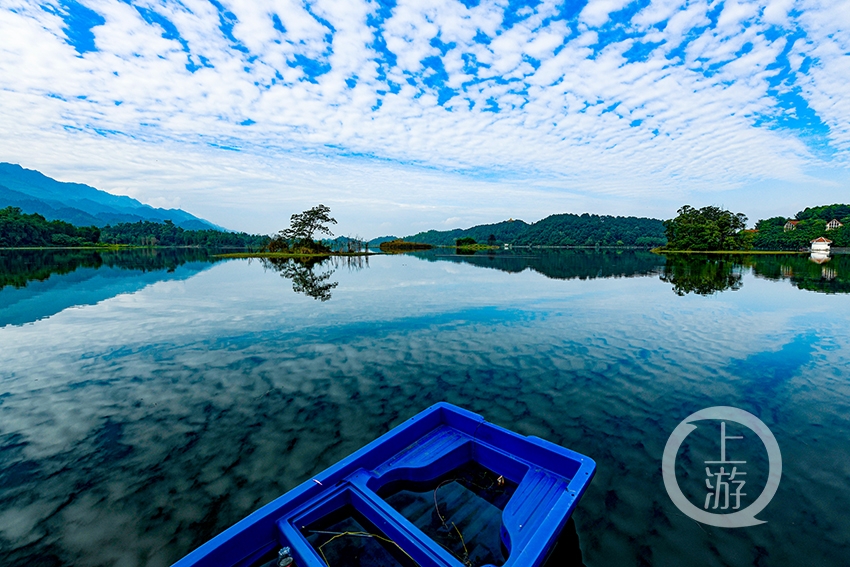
pixel 506 231
pixel 558 230
pixel 20 229
pixel 771 234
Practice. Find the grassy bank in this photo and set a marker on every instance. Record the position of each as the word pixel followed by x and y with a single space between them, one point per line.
pixel 473 247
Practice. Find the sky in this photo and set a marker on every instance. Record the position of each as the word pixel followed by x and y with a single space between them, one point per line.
pixel 417 114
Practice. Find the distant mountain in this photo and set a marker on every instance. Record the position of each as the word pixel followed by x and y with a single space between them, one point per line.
pixel 81 205
pixel 375 242
pixel 505 231
pixel 558 230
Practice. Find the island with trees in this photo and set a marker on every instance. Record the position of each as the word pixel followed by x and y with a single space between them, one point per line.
pixel 398 246
pixel 299 239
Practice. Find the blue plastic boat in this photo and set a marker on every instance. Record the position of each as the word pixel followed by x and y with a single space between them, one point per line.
pixel 443 489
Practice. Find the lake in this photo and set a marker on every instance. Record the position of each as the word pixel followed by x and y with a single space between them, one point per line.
pixel 150 399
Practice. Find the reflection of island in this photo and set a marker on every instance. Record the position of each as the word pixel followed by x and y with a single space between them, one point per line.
pixel 36 284
pixel 558 264
pixel 708 274
pixel 805 273
pixel 703 275
pixel 306 276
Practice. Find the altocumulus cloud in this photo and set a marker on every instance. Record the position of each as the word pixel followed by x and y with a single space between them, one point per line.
pixel 611 97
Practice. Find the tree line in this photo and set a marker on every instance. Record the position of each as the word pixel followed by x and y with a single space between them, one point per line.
pixel 714 228
pixel 557 230
pixel 18 229
pixel 811 224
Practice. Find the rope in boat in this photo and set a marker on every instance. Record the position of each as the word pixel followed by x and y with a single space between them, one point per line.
pixel 498 482
pixel 337 535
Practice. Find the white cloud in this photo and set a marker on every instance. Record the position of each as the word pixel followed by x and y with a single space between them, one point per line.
pixel 596 12
pixel 572 115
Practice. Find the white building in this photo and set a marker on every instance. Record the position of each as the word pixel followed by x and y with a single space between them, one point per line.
pixel 833 224
pixel 821 245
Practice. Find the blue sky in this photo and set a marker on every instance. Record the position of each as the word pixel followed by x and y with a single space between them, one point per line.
pixel 420 114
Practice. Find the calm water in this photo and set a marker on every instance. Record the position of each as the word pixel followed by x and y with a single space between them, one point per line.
pixel 150 400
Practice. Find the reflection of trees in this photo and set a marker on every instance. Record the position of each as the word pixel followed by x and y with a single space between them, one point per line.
pixel 558 264
pixel 353 263
pixel 305 277
pixel 702 275
pixel 705 275
pixel 18 267
pixel 803 273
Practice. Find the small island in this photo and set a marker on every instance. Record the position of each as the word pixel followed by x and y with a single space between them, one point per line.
pixel 399 246
pixel 298 241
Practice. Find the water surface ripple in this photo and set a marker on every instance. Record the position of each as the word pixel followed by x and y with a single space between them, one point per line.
pixel 145 409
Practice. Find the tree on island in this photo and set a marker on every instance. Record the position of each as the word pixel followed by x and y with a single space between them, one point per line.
pixel 708 228
pixel 302 229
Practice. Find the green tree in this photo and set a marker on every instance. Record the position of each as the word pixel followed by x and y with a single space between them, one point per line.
pixel 708 228
pixel 303 226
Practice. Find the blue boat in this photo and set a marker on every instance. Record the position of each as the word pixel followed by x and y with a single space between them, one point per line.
pixel 443 489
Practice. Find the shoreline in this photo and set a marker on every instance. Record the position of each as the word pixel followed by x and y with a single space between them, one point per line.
pixel 114 247
pixel 720 252
pixel 293 255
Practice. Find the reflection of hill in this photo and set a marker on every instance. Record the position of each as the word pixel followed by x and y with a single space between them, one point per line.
pixel 701 274
pixel 708 274
pixel 830 277
pixel 36 284
pixel 559 264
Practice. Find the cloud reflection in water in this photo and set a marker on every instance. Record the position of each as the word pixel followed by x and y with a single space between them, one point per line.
pixel 134 429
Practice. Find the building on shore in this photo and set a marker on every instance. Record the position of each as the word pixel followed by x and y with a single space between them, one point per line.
pixel 821 245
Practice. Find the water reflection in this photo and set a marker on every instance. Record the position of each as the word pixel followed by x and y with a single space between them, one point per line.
pixel 135 429
pixel 803 273
pixel 310 275
pixel 702 275
pixel 557 263
pixel 709 274
pixel 19 267
pixel 819 257
pixel 305 275
pixel 35 284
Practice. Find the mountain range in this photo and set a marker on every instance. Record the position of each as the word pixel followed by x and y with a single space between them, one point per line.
pixel 82 205
pixel 557 230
